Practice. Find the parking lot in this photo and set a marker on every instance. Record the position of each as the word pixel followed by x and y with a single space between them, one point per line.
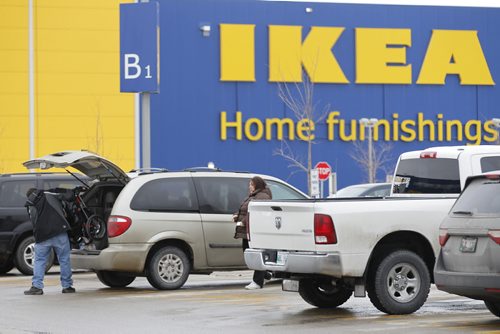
pixel 217 303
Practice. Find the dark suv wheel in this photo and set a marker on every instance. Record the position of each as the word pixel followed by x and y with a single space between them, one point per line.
pixel 24 256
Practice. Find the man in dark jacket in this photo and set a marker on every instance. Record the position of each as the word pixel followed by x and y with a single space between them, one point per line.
pixel 50 229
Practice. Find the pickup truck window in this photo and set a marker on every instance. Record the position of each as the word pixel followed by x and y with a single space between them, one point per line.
pixel 489 164
pixel 427 176
pixel 481 197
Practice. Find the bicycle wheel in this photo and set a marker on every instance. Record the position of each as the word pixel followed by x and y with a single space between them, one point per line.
pixel 95 227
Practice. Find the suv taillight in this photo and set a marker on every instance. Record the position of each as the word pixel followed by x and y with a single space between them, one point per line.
pixel 324 230
pixel 117 225
pixel 495 236
pixel 443 236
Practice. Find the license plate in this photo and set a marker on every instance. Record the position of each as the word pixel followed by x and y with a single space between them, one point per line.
pixel 468 245
pixel 281 258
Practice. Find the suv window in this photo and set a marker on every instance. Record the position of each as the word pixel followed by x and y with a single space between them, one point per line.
pixel 489 164
pixel 481 197
pixel 166 195
pixel 427 176
pixel 221 195
pixel 64 184
pixel 13 193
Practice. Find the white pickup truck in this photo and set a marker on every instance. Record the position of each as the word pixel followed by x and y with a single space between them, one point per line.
pixel 328 249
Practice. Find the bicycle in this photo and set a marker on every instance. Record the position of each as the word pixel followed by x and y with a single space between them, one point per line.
pixel 86 226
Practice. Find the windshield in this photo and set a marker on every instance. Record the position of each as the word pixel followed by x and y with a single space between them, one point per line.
pixel 352 191
pixel 427 176
pixel 481 197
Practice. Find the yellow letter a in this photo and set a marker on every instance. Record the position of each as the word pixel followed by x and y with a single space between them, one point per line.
pixel 455 52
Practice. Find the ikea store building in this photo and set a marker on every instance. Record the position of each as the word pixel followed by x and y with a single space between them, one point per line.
pixel 245 83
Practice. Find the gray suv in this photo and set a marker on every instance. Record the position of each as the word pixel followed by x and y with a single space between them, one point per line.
pixel 162 225
pixel 468 263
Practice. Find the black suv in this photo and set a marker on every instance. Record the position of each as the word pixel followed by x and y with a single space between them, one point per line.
pixel 16 231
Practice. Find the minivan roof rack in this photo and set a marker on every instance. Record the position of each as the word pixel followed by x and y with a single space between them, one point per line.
pixel 142 171
pixel 202 169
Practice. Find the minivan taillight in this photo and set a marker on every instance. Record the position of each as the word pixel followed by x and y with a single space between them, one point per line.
pixel 495 236
pixel 324 230
pixel 117 225
pixel 443 236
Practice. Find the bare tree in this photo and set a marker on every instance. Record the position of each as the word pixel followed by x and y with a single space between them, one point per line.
pixel 95 143
pixel 381 155
pixel 300 100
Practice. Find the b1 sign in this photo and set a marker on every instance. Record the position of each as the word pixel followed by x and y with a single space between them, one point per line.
pixel 139 58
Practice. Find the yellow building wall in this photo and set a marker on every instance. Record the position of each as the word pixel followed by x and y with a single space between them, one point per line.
pixel 78 104
pixel 14 122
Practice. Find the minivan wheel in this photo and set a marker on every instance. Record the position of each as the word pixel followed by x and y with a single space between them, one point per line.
pixel 494 307
pixel 114 279
pixel 168 268
pixel 400 284
pixel 24 257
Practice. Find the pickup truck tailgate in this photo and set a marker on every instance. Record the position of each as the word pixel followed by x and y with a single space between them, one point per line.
pixel 282 224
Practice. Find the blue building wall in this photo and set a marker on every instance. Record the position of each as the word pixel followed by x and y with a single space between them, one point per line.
pixel 185 115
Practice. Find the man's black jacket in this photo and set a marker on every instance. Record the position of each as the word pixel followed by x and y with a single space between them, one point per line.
pixel 46 214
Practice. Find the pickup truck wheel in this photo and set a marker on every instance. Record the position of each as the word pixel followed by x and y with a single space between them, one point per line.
pixel 114 279
pixel 494 307
pixel 168 268
pixel 24 257
pixel 400 284
pixel 323 294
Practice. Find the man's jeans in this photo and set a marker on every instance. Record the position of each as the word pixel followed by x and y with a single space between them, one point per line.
pixel 60 243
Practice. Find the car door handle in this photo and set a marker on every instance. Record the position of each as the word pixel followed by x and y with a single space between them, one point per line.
pixel 276 208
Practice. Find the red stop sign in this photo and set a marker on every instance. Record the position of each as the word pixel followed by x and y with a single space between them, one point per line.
pixel 324 170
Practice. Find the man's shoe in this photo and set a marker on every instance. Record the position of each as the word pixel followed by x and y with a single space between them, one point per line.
pixel 69 290
pixel 34 291
pixel 253 286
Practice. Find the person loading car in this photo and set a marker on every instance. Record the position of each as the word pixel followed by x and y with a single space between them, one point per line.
pixel 50 229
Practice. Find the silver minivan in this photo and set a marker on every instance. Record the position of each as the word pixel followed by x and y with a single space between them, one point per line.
pixel 162 225
pixel 469 260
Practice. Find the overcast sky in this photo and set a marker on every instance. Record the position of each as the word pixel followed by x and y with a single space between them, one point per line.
pixel 462 3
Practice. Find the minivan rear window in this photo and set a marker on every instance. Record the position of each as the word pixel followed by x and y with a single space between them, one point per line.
pixel 427 176
pixel 481 197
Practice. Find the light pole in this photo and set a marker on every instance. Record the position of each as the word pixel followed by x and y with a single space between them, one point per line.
pixel 369 124
pixel 496 124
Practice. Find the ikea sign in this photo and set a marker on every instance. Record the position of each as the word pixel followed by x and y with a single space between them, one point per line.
pixel 380 55
pixel 426 74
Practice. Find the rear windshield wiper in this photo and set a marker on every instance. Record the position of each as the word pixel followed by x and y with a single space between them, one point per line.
pixel 468 213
